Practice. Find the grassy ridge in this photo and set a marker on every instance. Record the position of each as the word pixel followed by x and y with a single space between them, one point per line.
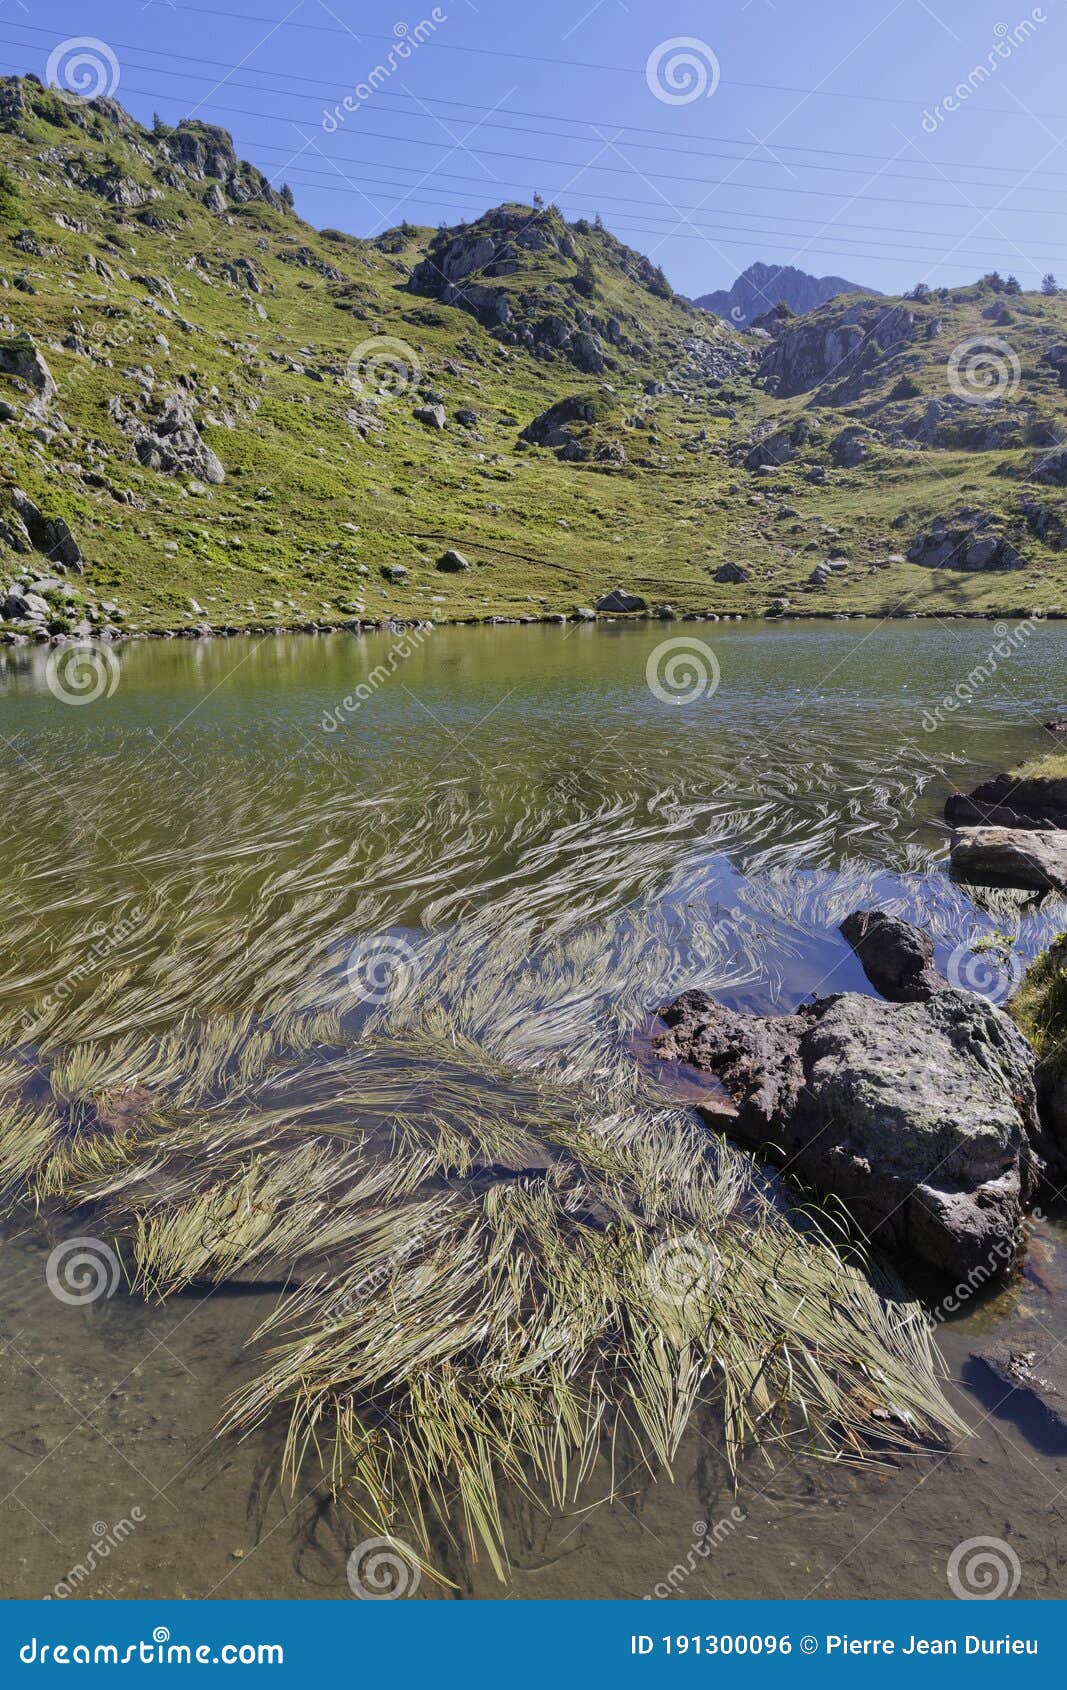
pixel 122 273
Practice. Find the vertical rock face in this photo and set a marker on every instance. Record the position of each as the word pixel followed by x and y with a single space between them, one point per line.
pixel 20 357
pixel 836 350
pixel 919 1117
pixel 173 443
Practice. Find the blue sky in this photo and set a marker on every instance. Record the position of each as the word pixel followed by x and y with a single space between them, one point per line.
pixel 887 142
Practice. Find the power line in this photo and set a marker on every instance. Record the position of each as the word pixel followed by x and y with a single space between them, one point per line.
pixel 585 64
pixel 489 121
pixel 651 207
pixel 622 170
pixel 649 214
pixel 631 220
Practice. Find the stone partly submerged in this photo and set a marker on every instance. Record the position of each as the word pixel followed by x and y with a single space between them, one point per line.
pixel 1031 859
pixel 1019 1366
pixel 1029 1378
pixel 918 1117
pixel 897 958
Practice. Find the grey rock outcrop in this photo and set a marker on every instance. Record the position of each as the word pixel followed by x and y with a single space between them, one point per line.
pixel 969 540
pixel 1032 859
pixel 173 443
pixel 732 574
pixel 836 349
pixel 26 528
pixel 21 357
pixel 1011 802
pixel 781 447
pixel 552 428
pixel 431 416
pixel 918 1116
pixel 849 448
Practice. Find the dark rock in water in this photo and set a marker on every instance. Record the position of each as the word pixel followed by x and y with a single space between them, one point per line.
pixel 897 958
pixel 620 601
pixel 1007 801
pixel 918 1117
pixel 1032 859
pixel 1058 725
pixel 1030 1373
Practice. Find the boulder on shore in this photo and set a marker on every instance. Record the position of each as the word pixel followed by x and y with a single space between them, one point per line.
pixel 897 958
pixel 1032 859
pixel 1036 801
pixel 917 1117
pixel 620 601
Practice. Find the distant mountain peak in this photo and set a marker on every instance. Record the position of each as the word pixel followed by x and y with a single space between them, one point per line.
pixel 762 286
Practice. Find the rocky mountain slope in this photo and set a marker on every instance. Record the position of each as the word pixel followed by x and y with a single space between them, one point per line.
pixel 763 286
pixel 212 414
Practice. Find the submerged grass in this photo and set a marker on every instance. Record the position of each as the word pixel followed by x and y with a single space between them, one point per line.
pixel 505 1256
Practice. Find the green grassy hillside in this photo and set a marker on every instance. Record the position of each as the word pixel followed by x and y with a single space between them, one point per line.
pixel 217 410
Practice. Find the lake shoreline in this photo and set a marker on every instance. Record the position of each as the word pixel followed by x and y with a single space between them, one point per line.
pixel 17 638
